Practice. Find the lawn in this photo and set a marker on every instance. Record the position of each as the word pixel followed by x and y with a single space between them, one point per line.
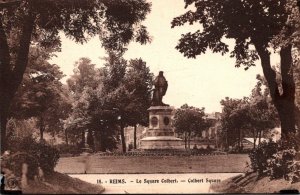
pixel 153 164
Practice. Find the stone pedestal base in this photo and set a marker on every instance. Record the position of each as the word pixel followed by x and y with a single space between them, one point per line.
pixel 161 142
pixel 160 134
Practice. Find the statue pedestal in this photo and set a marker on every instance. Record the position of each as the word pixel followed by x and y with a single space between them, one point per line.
pixel 160 134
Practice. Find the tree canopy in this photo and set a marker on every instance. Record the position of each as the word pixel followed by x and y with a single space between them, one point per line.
pixel 108 99
pixel 250 116
pixel 189 120
pixel 254 25
pixel 41 94
pixel 29 23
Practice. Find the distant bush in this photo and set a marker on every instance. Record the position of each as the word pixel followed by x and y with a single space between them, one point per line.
pixel 68 149
pixel 40 153
pixel 274 159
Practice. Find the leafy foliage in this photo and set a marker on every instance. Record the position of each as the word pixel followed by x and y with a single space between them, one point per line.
pixel 25 24
pixel 275 159
pixel 109 99
pixel 42 95
pixel 231 121
pixel 259 156
pixel 254 25
pixel 244 21
pixel 190 120
pixel 292 23
pixel 114 21
pixel 34 154
pixel 250 116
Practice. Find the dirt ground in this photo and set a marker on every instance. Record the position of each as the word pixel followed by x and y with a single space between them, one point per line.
pixel 59 183
pixel 252 184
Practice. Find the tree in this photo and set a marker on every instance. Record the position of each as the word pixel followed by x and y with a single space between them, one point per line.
pixel 104 122
pixel 189 120
pixel 81 84
pixel 33 22
pixel 78 120
pixel 85 75
pixel 100 100
pixel 231 123
pixel 138 81
pixel 128 87
pixel 260 112
pixel 42 95
pixel 117 96
pixel 110 98
pixel 251 115
pixel 250 23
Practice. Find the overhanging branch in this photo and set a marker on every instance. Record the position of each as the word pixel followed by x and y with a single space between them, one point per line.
pixel 22 56
pixel 9 3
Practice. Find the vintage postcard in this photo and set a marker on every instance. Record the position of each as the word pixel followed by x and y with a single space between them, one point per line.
pixel 150 96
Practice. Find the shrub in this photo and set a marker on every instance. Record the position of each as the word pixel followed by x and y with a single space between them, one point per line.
pixel 274 159
pixel 280 164
pixel 40 153
pixel 295 173
pixel 47 156
pixel 259 156
pixel 15 161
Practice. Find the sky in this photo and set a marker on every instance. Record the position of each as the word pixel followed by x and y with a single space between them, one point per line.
pixel 200 82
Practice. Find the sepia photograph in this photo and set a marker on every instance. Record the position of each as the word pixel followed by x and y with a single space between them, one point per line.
pixel 150 96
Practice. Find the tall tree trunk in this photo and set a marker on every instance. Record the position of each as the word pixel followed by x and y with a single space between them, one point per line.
pixel 134 137
pixel 10 79
pixel 259 137
pixel 189 140
pixel 66 137
pixel 83 138
pixel 227 144
pixel 90 139
pixel 4 82
pixel 254 138
pixel 239 138
pixel 42 129
pixel 185 140
pixel 122 137
pixel 284 103
pixel 97 140
pixel 3 130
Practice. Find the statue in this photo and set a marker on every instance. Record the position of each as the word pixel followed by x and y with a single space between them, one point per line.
pixel 161 86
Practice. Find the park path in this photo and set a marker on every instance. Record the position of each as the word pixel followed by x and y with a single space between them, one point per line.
pixel 185 183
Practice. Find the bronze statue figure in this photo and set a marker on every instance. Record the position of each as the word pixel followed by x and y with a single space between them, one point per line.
pixel 161 86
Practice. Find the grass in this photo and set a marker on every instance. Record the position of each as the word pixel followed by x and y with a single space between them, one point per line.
pixel 153 164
